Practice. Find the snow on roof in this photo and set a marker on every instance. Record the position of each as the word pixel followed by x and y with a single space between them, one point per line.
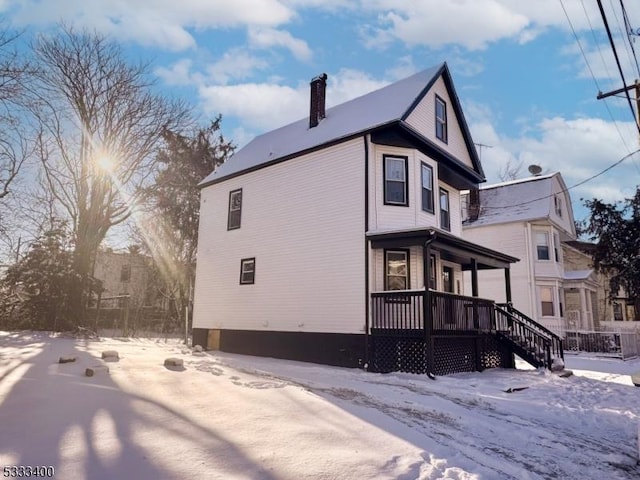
pixel 578 274
pixel 517 200
pixel 361 114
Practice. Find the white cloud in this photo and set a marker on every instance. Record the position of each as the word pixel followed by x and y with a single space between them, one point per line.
pixel 270 37
pixel 264 106
pixel 163 23
pixel 472 24
pixel 178 74
pixel 235 64
pixel 578 148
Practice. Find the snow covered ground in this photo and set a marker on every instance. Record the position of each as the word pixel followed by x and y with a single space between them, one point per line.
pixel 237 417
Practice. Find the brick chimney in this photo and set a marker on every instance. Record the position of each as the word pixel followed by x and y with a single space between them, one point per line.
pixel 318 91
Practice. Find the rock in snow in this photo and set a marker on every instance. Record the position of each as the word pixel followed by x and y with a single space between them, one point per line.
pixel 96 370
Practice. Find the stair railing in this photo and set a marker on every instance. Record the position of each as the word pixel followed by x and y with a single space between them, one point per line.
pixel 537 336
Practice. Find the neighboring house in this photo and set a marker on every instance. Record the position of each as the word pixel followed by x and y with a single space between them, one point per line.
pixel 125 277
pixel 529 219
pixel 317 239
pixel 611 315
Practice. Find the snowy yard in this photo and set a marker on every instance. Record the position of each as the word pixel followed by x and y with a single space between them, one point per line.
pixel 237 417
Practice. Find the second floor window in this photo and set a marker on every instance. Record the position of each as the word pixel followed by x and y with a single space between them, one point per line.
pixel 396 190
pixel 427 188
pixel 445 216
pixel 235 209
pixel 441 120
pixel 542 245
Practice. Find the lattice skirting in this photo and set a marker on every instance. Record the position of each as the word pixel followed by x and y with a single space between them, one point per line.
pixel 451 354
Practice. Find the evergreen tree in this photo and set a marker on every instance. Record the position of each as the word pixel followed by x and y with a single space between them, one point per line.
pixel 616 228
pixel 37 287
pixel 172 236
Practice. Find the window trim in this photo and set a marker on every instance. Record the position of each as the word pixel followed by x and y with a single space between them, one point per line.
pixel 385 157
pixel 407 253
pixel 552 302
pixel 447 210
pixel 230 210
pixel 441 121
pixel 546 234
pixel 424 165
pixel 247 261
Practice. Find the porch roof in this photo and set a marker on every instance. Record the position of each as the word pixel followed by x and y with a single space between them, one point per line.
pixel 451 247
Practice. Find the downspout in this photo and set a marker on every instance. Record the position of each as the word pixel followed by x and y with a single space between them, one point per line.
pixel 533 290
pixel 427 312
pixel 367 300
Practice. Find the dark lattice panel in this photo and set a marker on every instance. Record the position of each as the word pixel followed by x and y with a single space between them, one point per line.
pixel 454 355
pixel 394 354
pixel 493 354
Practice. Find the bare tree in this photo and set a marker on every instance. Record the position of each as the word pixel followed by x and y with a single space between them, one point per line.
pixel 510 171
pixel 14 145
pixel 100 125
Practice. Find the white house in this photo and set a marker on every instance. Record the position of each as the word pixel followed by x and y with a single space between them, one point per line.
pixel 313 238
pixel 529 219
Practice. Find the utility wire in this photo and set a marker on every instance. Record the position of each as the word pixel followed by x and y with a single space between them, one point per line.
pixel 627 24
pixel 613 165
pixel 615 54
pixel 604 64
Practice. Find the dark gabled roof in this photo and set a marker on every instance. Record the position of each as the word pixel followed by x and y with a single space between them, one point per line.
pixel 389 105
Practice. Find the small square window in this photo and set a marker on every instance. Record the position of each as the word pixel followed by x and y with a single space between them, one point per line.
pixel 235 209
pixel 441 119
pixel 247 271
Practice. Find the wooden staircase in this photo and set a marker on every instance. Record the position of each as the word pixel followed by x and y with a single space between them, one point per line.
pixel 528 339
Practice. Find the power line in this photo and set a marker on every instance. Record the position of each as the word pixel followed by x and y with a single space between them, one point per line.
pixel 629 31
pixel 602 172
pixel 615 54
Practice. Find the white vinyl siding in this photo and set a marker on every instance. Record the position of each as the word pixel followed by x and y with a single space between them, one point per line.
pixel 510 238
pixel 423 119
pixel 390 217
pixel 303 220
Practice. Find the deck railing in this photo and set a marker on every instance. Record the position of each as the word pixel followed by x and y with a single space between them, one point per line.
pixel 403 310
pixel 397 311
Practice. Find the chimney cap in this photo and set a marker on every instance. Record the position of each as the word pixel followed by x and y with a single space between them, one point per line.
pixel 322 77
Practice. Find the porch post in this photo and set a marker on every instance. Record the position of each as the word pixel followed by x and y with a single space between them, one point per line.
pixel 427 311
pixel 474 277
pixel 507 283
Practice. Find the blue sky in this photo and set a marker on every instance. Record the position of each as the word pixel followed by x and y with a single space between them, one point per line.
pixel 527 89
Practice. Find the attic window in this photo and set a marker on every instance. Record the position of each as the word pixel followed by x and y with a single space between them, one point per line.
pixel 235 209
pixel 441 119
pixel 557 202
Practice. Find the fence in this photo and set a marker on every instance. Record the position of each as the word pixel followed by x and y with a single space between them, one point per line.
pixel 623 345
